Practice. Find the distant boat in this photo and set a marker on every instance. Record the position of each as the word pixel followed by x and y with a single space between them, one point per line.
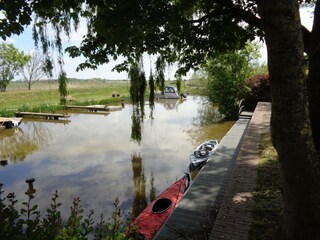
pixel 153 216
pixel 202 153
pixel 170 92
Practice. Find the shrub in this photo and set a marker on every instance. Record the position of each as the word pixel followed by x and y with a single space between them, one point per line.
pixel 227 72
pixel 259 86
pixel 28 223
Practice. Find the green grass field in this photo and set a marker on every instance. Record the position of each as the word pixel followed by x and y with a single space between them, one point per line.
pixel 46 92
pixel 44 95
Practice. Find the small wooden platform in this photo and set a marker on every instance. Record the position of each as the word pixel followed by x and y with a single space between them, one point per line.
pixel 92 108
pixel 80 111
pixel 45 120
pixel 9 122
pixel 42 115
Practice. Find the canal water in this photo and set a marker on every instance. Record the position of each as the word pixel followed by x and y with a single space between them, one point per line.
pixel 93 156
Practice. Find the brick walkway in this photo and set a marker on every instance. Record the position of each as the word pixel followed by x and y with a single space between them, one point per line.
pixel 234 216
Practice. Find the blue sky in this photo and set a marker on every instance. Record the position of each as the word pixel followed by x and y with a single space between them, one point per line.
pixel 24 42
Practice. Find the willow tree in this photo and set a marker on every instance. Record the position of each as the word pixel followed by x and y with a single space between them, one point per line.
pixel 137 90
pixel 189 32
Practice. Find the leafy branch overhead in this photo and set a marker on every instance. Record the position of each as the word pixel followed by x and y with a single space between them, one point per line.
pixel 181 31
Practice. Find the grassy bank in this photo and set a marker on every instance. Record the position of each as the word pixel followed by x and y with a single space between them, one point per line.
pixel 267 212
pixel 46 92
pixel 44 95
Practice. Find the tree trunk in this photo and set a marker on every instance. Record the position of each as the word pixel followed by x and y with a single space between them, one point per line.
pixel 3 87
pixel 290 122
pixel 314 77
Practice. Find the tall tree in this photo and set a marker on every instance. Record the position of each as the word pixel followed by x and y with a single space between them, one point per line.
pixel 291 120
pixel 34 69
pixel 11 62
pixel 191 31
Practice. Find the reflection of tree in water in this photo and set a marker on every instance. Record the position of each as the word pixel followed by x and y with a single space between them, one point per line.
pixel 208 124
pixel 207 114
pixel 15 144
pixel 136 126
pixel 152 189
pixel 139 184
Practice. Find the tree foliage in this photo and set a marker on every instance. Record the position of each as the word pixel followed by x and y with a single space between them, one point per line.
pixel 160 79
pixel 227 73
pixel 63 81
pixel 11 62
pixel 137 90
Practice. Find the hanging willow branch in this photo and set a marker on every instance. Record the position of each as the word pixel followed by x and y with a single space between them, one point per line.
pixel 137 90
pixel 138 83
pixel 152 95
pixel 52 19
pixel 160 68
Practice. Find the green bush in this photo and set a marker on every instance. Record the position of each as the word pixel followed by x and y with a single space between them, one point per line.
pixel 226 73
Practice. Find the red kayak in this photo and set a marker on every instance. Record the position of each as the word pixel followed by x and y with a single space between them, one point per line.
pixel 153 216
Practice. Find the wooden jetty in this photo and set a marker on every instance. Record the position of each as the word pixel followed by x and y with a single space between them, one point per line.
pixel 54 116
pixel 45 120
pixel 91 108
pixel 80 111
pixel 9 122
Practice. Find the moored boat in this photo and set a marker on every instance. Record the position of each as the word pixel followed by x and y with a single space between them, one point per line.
pixel 153 216
pixel 202 153
pixel 170 92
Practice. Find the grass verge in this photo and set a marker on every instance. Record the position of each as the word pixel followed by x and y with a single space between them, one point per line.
pixel 267 212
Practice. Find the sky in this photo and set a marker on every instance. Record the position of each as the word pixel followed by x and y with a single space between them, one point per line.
pixel 24 42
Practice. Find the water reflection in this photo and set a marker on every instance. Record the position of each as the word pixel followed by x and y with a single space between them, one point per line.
pixel 139 185
pixel 208 124
pixel 91 157
pixel 15 144
pixel 171 104
pixel 153 189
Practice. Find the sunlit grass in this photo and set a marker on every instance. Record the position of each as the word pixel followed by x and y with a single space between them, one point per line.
pixel 45 93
